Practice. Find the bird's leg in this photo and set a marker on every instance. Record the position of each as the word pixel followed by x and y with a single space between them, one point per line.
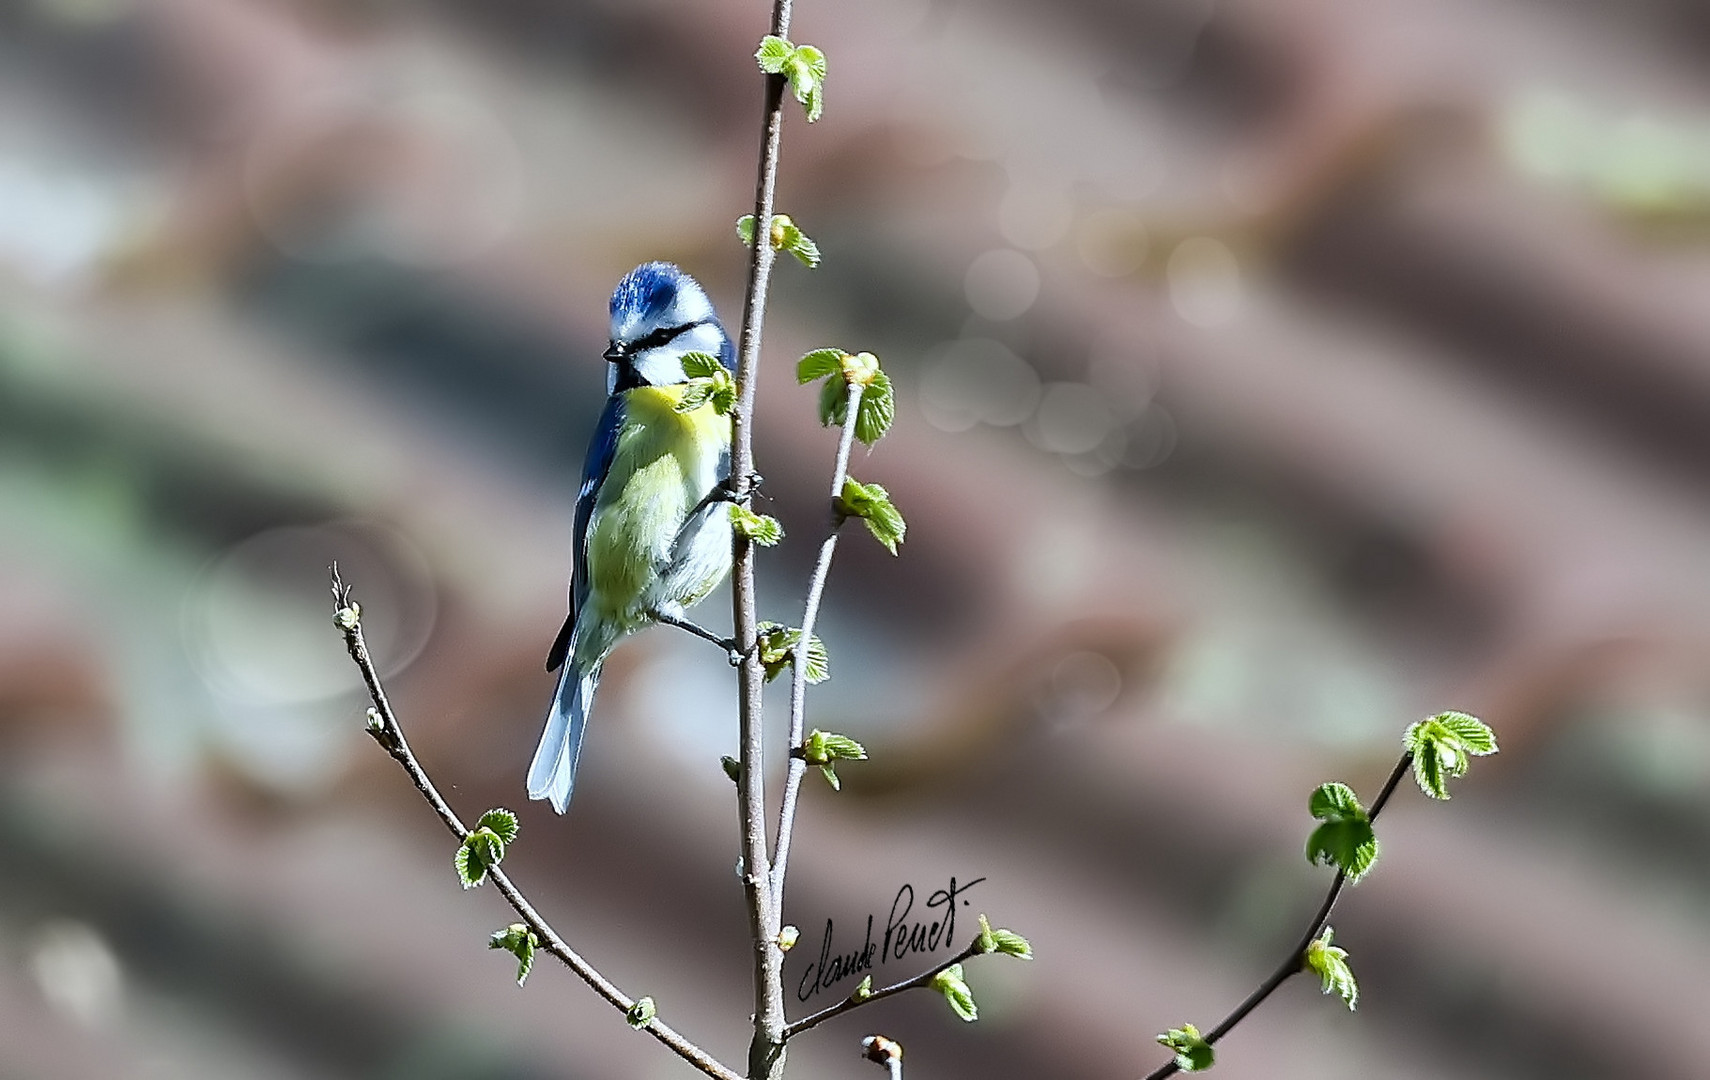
pixel 725 490
pixel 702 632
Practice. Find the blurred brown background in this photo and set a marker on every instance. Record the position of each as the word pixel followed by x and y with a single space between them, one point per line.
pixel 1271 374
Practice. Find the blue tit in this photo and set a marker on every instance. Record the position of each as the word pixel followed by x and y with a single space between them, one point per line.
pixel 652 535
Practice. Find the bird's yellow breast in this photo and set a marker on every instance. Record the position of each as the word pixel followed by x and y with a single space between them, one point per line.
pixel 664 465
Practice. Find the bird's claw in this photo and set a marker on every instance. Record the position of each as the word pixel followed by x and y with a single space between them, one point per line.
pixel 726 489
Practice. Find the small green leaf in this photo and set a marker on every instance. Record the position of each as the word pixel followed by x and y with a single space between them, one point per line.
pixel 822 747
pixel 773 54
pixel 709 381
pixel 641 1013
pixel 1013 944
pixel 732 768
pixel 471 871
pixel 802 65
pixel 745 230
pixel 877 409
pixel 1193 1053
pixel 777 647
pixel 1345 840
pixel 696 393
pixel 826 748
pixel 1443 746
pixel 872 504
pixel 818 364
pixel 806 72
pixel 520 942
pixel 787 938
pixel 833 402
pixel 1007 942
pixel 700 365
pixel 951 984
pixel 812 59
pixel 800 245
pixel 760 528
pixel 1331 964
pixel 863 990
pixel 484 848
pixel 873 415
pixel 502 822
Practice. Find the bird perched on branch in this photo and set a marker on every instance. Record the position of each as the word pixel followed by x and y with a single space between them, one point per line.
pixel 652 532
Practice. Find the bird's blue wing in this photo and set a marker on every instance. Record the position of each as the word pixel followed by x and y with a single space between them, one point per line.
pixel 601 449
pixel 726 348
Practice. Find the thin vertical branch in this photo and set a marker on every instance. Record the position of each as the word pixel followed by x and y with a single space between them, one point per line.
pixel 766 1051
pixel 798 660
pixel 1295 961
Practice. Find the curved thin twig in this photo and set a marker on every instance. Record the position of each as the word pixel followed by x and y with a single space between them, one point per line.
pixel 387 732
pixel 798 659
pixel 1295 961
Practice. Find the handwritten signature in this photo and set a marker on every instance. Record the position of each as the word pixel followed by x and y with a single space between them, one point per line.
pixel 901 937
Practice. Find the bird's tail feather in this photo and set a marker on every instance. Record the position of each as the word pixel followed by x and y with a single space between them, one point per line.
pixel 553 771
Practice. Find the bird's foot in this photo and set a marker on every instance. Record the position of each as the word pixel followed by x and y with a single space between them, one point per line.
pixel 726 490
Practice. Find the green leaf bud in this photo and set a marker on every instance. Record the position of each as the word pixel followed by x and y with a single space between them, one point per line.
pixel 1331 965
pixel 804 67
pixel 1007 942
pixel 349 617
pixel 520 942
pixel 1443 746
pixel 762 529
pixel 777 649
pixel 1193 1053
pixel 872 504
pixel 954 987
pixel 641 1013
pixel 826 748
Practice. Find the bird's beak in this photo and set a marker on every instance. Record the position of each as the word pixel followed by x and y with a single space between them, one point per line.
pixel 614 352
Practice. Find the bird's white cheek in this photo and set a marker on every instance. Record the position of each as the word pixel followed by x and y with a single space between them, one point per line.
pixel 659 367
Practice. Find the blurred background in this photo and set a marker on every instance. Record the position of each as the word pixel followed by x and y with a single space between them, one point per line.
pixel 1271 375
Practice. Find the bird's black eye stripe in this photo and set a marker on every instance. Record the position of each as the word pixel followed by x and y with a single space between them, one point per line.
pixel 662 336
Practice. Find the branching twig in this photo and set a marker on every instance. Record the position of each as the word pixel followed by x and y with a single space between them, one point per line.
pixel 1294 962
pixel 387 732
pixel 923 979
pixel 766 1051
pixel 798 659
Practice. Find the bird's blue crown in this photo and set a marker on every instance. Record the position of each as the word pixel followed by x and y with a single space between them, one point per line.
pixel 647 292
